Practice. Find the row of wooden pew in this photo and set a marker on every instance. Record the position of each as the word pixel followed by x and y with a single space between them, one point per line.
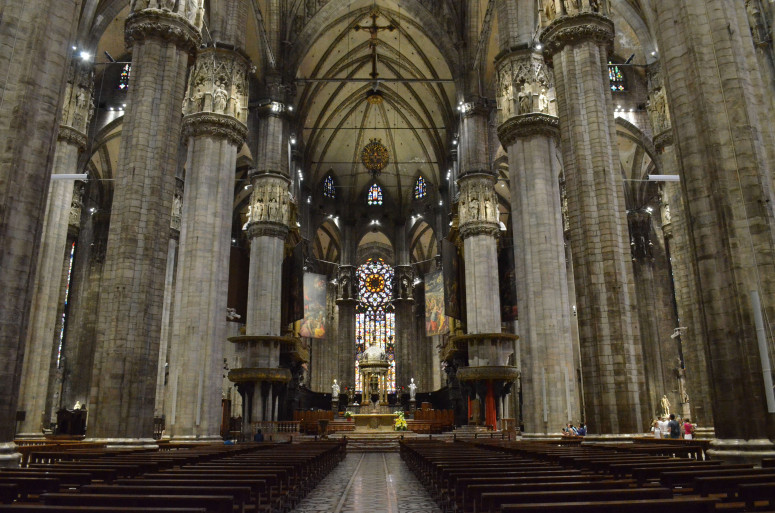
pixel 213 478
pixel 505 476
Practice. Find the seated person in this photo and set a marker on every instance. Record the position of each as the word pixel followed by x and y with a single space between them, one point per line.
pixel 259 436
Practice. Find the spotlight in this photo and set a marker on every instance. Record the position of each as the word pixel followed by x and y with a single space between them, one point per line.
pixel 539 46
pixel 85 56
pixel 293 140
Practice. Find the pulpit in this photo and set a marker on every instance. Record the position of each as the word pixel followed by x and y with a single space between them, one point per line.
pixel 71 422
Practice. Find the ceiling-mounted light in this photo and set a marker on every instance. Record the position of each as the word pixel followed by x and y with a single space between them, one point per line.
pixel 85 56
pixel 293 140
pixel 539 46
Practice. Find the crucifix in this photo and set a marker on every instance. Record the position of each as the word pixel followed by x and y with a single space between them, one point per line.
pixel 374 29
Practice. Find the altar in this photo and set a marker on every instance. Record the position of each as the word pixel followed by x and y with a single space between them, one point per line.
pixel 370 422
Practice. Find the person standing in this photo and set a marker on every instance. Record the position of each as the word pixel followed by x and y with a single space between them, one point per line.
pixel 663 428
pixel 688 429
pixel 657 429
pixel 673 427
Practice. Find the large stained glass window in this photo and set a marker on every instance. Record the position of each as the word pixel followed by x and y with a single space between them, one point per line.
pixel 64 312
pixel 375 195
pixel 375 318
pixel 123 79
pixel 616 78
pixel 329 191
pixel 420 188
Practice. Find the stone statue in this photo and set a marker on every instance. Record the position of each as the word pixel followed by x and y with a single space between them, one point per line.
pixel 524 101
pixel 335 391
pixel 247 222
pixel 220 99
pixel 665 403
pixel 550 10
pixel 571 6
pixel 77 405
pixel 543 102
pixel 412 389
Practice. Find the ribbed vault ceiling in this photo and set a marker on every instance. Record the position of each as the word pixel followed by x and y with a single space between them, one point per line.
pixel 413 121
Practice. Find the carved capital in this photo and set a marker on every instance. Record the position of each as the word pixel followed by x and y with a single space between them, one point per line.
pixel 218 84
pixel 477 204
pixel 208 124
pixel 525 85
pixel 72 136
pixel 526 126
pixel 162 24
pixel 663 140
pixel 572 30
pixel 267 229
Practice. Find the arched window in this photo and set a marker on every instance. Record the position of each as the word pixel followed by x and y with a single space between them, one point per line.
pixel 375 195
pixel 420 188
pixel 123 79
pixel 375 318
pixel 616 78
pixel 328 187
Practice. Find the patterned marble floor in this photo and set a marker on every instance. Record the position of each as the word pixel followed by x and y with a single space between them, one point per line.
pixel 369 482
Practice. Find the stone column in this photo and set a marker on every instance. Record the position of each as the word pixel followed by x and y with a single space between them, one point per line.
pixel 347 289
pixel 683 267
pixel 71 140
pixel 169 293
pixel 406 368
pixel 32 97
pixel 578 44
pixel 215 127
pixel 726 180
pixel 531 137
pixel 129 326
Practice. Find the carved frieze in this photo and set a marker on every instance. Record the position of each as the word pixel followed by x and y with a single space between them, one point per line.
pixel 477 205
pixel 215 125
pixel 525 85
pixel 269 211
pixel 161 23
pixel 553 9
pixel 218 84
pixel 528 125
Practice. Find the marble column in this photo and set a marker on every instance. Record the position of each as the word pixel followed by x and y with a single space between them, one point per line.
pixel 71 140
pixel 129 326
pixel 721 144
pixel 531 137
pixel 674 227
pixel 578 45
pixel 215 127
pixel 32 97
pixel 406 368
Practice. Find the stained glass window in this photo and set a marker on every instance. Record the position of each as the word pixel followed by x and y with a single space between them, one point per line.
pixel 123 79
pixel 420 188
pixel 64 312
pixel 375 195
pixel 375 318
pixel 328 187
pixel 616 78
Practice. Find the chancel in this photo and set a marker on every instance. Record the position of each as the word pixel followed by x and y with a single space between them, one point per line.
pixel 362 224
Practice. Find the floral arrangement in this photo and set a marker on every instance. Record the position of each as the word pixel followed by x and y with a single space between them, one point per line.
pixel 348 415
pixel 400 424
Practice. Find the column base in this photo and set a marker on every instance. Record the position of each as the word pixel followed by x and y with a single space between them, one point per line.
pixel 741 451
pixel 9 458
pixel 30 436
pixel 705 433
pixel 126 443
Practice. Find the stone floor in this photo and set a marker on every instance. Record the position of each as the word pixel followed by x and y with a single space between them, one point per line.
pixel 369 482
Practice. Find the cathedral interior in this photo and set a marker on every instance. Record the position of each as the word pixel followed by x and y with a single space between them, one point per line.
pixel 528 212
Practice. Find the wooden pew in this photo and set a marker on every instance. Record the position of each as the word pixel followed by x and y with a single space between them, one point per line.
pixel 492 501
pixel 8 492
pixel 729 484
pixel 45 508
pixel 26 486
pixel 241 495
pixel 66 479
pixel 260 493
pixel 211 503
pixel 753 492
pixel 684 505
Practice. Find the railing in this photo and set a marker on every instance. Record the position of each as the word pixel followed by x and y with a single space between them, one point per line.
pixel 271 427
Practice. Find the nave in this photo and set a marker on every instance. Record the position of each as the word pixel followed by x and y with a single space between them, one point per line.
pixel 376 482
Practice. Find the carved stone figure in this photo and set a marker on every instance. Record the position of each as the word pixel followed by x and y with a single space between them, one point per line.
pixel 543 102
pixel 220 99
pixel 550 10
pixel 524 101
pixel 412 389
pixel 571 6
pixel 335 391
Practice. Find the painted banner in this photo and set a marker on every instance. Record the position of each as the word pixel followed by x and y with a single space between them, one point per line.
pixel 314 323
pixel 435 321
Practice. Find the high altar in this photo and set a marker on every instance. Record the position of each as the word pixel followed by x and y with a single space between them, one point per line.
pixel 366 422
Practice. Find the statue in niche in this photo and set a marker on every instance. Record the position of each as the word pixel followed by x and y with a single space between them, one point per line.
pixel 550 10
pixel 665 405
pixel 543 102
pixel 236 106
pixel 345 289
pixel 177 206
pixel 220 99
pixel 524 100
pixel 247 217
pixel 572 6
pixel 310 8
pixel 666 214
pixel 412 389
pixel 272 210
pixel 335 391
pixel 594 5
pixel 258 211
pixel 473 209
pixel 168 5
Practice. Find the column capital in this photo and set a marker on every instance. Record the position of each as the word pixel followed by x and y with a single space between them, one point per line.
pixel 210 124
pixel 528 125
pixel 477 205
pixel 525 84
pixel 218 85
pixel 269 212
pixel 72 136
pixel 162 24
pixel 571 30
pixel 663 140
